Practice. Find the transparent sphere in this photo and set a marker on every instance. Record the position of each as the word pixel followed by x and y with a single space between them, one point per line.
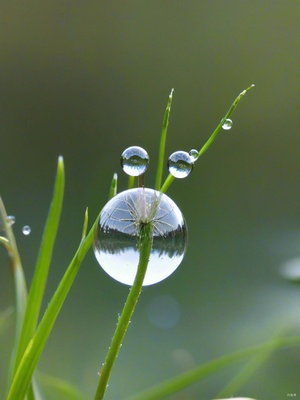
pixel 116 235
pixel 180 164
pixel 134 160
pixel 10 219
pixel 26 230
pixel 227 124
pixel 194 155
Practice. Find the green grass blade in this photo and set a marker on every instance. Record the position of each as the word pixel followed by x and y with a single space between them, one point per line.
pixel 145 246
pixel 212 138
pixel 249 369
pixel 42 267
pixel 131 182
pixel 16 266
pixel 174 385
pixel 219 127
pixel 113 186
pixel 36 345
pixel 162 145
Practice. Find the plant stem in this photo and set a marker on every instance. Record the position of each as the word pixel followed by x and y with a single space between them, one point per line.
pixel 162 144
pixel 145 245
pixel 170 178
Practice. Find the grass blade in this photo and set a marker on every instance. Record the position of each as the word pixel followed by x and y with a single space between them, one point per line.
pixel 36 345
pixel 113 186
pixel 170 178
pixel 174 385
pixel 42 267
pixel 162 145
pixel 16 266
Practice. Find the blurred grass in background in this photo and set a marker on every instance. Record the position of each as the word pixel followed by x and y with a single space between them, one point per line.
pixel 87 79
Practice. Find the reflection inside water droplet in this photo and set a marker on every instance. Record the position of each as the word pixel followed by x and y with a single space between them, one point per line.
pixel 134 161
pixel 227 124
pixel 26 230
pixel 116 235
pixel 180 164
pixel 10 219
pixel 194 155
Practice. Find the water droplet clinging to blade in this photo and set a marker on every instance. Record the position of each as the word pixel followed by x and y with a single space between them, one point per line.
pixel 117 235
pixel 134 161
pixel 227 124
pixel 180 164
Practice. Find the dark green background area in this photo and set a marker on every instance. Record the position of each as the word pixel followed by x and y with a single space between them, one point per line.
pixel 86 79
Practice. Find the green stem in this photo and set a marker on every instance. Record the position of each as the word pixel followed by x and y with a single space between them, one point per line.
pixel 145 245
pixel 162 144
pixel 170 178
pixel 227 115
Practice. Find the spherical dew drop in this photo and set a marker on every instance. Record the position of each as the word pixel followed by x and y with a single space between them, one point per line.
pixel 180 164
pixel 194 154
pixel 227 124
pixel 134 161
pixel 26 230
pixel 117 235
pixel 10 219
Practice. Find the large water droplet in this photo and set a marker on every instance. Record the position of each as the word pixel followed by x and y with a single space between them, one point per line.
pixel 180 164
pixel 194 155
pixel 227 124
pixel 26 230
pixel 116 235
pixel 10 219
pixel 134 160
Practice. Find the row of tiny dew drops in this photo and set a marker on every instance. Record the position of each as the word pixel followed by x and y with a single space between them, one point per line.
pixel 11 220
pixel 116 239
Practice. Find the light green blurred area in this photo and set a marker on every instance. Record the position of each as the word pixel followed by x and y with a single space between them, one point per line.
pixel 86 79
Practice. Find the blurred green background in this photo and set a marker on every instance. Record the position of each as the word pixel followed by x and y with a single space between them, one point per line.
pixel 86 79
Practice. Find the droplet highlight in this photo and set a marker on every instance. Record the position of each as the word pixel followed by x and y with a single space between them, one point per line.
pixel 26 230
pixel 10 219
pixel 227 124
pixel 134 161
pixel 180 164
pixel 194 155
pixel 117 234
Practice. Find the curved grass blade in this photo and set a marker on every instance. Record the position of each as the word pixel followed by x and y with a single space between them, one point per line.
pixel 36 345
pixel 42 266
pixel 18 273
pixel 113 186
pixel 174 385
pixel 209 142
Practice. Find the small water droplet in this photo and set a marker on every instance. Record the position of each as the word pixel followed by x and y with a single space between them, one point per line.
pixel 193 154
pixel 26 230
pixel 134 160
pixel 227 124
pixel 117 234
pixel 180 164
pixel 10 219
